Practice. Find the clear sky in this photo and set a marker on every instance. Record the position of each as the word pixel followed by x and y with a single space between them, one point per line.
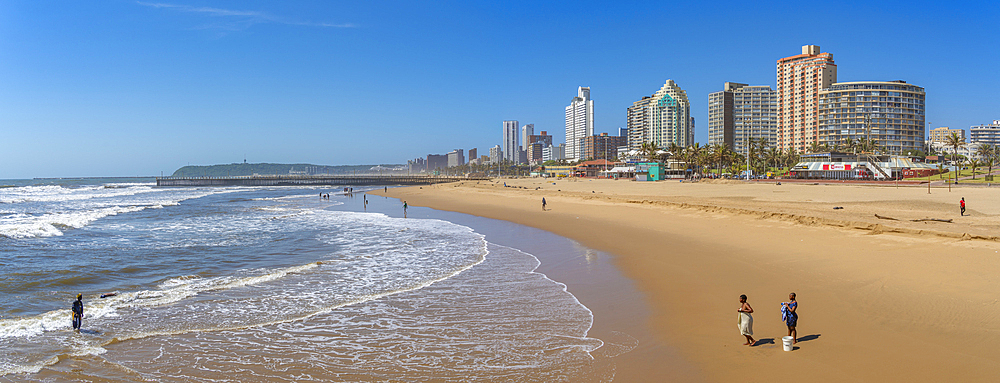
pixel 117 88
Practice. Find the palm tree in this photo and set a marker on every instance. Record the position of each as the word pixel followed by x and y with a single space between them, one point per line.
pixel 987 152
pixel 649 150
pixel 692 155
pixel 974 163
pixel 954 141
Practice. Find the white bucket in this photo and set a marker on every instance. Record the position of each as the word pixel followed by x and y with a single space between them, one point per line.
pixel 786 341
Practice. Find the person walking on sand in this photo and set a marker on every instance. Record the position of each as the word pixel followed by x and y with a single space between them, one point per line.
pixel 745 322
pixel 78 313
pixel 961 204
pixel 790 317
pixel 543 203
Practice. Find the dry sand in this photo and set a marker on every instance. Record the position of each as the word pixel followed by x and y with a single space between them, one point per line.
pixel 880 300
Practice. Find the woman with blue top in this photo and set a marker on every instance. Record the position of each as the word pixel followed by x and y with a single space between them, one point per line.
pixel 790 317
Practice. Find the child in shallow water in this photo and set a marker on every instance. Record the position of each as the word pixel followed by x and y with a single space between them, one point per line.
pixel 746 320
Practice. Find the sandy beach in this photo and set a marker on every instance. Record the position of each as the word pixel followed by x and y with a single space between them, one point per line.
pixel 880 299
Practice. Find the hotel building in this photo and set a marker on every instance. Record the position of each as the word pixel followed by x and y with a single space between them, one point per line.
pixel 662 118
pixel 986 134
pixel 894 110
pixel 579 122
pixel 739 113
pixel 800 78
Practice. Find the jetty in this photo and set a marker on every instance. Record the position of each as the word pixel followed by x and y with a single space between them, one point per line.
pixel 306 180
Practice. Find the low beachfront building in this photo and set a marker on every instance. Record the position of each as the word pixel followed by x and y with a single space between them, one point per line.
pixel 556 171
pixel 593 168
pixel 849 166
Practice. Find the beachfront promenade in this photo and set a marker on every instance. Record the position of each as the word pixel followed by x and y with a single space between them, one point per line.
pixel 299 180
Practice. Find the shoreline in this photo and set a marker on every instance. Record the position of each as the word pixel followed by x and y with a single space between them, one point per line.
pixel 877 301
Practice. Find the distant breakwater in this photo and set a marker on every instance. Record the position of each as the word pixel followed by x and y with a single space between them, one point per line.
pixel 299 180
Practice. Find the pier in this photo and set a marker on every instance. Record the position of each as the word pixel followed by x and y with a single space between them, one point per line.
pixel 305 180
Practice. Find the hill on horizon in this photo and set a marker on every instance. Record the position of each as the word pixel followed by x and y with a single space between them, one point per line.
pixel 245 169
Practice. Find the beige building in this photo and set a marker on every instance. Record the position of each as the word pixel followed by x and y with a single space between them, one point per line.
pixel 800 78
pixel 940 135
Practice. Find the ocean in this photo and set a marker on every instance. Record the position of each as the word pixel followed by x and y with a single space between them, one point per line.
pixel 230 284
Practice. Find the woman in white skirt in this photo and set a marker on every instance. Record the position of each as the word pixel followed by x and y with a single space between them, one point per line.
pixel 746 320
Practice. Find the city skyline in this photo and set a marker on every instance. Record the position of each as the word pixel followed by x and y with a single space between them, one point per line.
pixel 133 88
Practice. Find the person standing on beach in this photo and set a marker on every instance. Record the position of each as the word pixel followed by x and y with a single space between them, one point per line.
pixel 543 203
pixel 404 208
pixel 961 204
pixel 745 322
pixel 790 316
pixel 78 312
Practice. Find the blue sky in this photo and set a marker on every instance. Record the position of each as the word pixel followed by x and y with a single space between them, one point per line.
pixel 116 88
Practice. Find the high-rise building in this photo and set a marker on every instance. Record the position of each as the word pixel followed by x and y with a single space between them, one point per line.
pixel 534 152
pixel 416 165
pixel 623 132
pixel 436 161
pixel 940 135
pixel 893 111
pixel 496 154
pixel 456 158
pixel 661 119
pixel 800 78
pixel 741 112
pixel 986 133
pixel 579 122
pixel 511 143
pixel 601 146
pixel 527 130
pixel 473 154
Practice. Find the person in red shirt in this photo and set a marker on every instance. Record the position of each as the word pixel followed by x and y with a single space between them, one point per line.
pixel 962 205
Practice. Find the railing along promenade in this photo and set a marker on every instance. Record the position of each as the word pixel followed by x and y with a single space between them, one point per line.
pixel 307 180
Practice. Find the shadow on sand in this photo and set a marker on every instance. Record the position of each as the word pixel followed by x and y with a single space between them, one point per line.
pixel 809 337
pixel 763 341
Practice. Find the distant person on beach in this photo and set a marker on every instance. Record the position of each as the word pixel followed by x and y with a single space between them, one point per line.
pixel 790 317
pixel 745 322
pixel 404 207
pixel 78 312
pixel 961 205
pixel 386 189
pixel 543 203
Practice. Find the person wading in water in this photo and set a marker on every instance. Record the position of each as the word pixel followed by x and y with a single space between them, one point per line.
pixel 78 312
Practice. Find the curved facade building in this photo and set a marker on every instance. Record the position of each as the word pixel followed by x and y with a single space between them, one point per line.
pixel 895 109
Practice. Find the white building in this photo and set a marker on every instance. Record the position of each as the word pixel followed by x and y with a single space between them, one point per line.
pixel 579 122
pixel 496 154
pixel 554 152
pixel 510 145
pixel 456 158
pixel 968 150
pixel 986 134
pixel 527 130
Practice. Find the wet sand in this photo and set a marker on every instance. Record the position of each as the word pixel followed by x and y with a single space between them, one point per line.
pixel 880 299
